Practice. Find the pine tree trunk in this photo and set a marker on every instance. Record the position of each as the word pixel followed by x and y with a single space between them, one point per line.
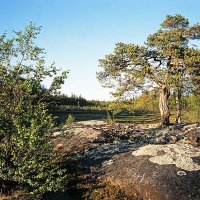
pixel 178 108
pixel 164 106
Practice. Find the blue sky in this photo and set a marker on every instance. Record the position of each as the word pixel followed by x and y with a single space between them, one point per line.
pixel 77 33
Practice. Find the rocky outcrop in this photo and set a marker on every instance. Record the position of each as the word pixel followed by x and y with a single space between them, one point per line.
pixel 156 163
pixel 76 137
pixel 158 172
pixel 193 136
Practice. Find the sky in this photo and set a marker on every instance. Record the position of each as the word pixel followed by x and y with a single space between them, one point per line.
pixel 77 33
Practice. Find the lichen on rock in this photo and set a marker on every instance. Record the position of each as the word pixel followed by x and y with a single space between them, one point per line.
pixel 178 154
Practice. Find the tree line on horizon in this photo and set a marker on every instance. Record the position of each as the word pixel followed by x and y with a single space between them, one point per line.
pixel 148 101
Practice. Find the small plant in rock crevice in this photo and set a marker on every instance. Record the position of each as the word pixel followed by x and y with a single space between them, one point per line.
pixel 110 118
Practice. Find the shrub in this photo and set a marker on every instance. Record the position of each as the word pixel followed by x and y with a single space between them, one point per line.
pixel 26 156
pixel 70 119
pixel 110 118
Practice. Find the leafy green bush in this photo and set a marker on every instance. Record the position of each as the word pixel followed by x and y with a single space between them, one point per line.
pixel 70 119
pixel 26 156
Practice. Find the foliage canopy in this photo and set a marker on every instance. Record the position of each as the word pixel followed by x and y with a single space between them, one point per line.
pixel 168 60
pixel 26 155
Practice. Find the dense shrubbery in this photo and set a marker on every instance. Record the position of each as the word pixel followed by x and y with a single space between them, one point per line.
pixel 26 157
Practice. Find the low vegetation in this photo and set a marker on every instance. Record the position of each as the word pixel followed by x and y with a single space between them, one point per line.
pixel 108 191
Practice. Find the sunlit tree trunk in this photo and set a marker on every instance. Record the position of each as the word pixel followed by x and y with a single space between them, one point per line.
pixel 164 106
pixel 178 106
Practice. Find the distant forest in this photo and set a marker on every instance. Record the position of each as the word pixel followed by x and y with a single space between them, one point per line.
pixel 147 102
pixel 65 102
